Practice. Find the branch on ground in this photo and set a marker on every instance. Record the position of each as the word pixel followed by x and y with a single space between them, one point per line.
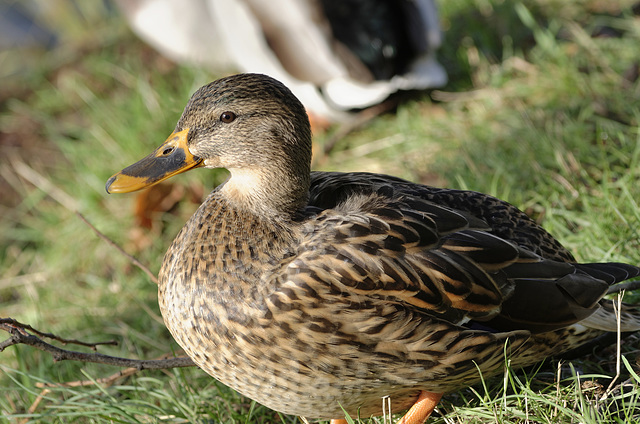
pixel 21 334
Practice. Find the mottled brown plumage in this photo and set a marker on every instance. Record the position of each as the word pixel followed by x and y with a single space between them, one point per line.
pixel 313 292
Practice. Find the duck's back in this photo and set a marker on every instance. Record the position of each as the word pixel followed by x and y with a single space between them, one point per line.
pixel 503 219
pixel 503 270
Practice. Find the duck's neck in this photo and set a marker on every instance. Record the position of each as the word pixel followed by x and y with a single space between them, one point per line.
pixel 242 241
pixel 276 196
pixel 220 261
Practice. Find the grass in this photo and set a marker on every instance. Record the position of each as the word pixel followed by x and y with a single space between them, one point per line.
pixel 542 110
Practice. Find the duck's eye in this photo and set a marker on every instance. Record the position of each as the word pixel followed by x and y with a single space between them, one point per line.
pixel 227 117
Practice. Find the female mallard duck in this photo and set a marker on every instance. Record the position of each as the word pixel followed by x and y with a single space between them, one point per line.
pixel 316 293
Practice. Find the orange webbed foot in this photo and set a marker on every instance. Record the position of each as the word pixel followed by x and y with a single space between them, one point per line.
pixel 422 409
pixel 418 413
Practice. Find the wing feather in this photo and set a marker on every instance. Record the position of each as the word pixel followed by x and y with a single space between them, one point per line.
pixel 455 255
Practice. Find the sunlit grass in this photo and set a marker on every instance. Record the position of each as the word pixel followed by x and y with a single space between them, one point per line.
pixel 539 112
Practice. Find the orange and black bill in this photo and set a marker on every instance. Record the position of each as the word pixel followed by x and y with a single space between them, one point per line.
pixel 171 158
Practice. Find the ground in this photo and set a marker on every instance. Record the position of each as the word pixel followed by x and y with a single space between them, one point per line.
pixel 542 109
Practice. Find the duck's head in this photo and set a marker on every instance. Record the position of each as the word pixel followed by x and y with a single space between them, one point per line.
pixel 250 124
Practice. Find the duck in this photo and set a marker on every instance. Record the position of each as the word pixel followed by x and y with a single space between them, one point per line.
pixel 337 57
pixel 323 293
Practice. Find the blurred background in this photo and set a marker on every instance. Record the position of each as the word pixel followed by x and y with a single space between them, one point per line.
pixel 536 102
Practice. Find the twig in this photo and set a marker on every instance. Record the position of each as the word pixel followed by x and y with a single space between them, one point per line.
pixel 20 336
pixel 44 184
pixel 34 405
pixel 120 249
pixel 386 410
pixel 358 120
pixel 558 377
pixel 105 381
pixel 12 326
pixel 59 195
pixel 626 286
pixel 617 309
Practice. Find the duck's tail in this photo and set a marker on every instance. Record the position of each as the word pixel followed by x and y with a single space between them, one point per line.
pixel 605 318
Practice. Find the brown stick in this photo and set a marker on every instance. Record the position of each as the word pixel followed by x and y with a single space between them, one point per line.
pixel 358 120
pixel 19 335
pixel 626 286
pixel 11 325
pixel 104 381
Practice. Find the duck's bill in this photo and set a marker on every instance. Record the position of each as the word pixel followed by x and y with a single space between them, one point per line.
pixel 171 158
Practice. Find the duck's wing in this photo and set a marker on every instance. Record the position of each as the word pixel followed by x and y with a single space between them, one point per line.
pixel 501 218
pixel 375 239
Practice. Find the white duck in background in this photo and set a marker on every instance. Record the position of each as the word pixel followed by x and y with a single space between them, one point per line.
pixel 335 56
